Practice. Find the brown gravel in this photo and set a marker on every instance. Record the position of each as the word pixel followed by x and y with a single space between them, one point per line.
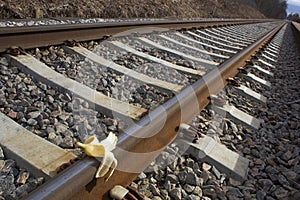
pixel 19 9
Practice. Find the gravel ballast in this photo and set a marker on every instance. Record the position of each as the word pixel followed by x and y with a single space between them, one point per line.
pixel 273 150
pixel 15 181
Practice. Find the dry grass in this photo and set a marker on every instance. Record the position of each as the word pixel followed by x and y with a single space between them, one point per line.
pixel 126 9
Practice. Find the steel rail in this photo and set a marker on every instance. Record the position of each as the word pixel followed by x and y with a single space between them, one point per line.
pixel 296 30
pixel 39 36
pixel 78 181
pixel 296 25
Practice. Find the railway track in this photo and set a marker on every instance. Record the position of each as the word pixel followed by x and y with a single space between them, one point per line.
pixel 140 85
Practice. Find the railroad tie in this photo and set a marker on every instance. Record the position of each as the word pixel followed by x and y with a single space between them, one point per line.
pixel 219 43
pixel 268 58
pixel 191 47
pixel 233 35
pixel 166 86
pixel 237 115
pixel 155 59
pixel 206 63
pixel 262 82
pixel 209 150
pixel 266 63
pixel 224 40
pixel 36 154
pixel 208 45
pixel 230 38
pixel 249 93
pixel 270 54
pixel 266 72
pixel 273 49
pixel 43 73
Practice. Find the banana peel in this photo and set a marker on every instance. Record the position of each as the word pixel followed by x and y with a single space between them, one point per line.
pixel 102 149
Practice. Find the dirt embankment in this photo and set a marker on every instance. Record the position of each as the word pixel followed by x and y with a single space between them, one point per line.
pixel 19 9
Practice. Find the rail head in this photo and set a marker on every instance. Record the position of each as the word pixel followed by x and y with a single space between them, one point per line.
pixel 296 25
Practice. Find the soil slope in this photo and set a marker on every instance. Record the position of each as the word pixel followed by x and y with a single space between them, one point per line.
pixel 20 9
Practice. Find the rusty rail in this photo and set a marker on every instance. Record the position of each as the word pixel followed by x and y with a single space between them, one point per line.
pixel 159 126
pixel 296 27
pixel 38 36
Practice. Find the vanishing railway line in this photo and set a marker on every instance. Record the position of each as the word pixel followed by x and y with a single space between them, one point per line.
pixel 141 85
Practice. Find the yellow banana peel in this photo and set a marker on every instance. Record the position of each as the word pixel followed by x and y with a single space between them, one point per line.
pixel 92 147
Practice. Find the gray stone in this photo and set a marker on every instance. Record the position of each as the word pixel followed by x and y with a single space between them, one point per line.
pixel 234 192
pixel 112 128
pixel 216 172
pixel 33 115
pixel 142 176
pixel 234 182
pixel 63 117
pixel 206 166
pixel 32 87
pixel 193 197
pixel 171 159
pixel 56 113
pixel 190 162
pixel 155 191
pixel 282 180
pixel 197 191
pixel 60 128
pixel 164 193
pixel 7 187
pixel 21 191
pixel 2 164
pixel 156 198
pixel 50 129
pixel 281 193
pixel 68 142
pixel 206 198
pixel 192 179
pixel 269 198
pixel 153 180
pixel 296 195
pixel 51 92
pixel 271 170
pixel 183 194
pixel 22 177
pixel 182 177
pixel 1 153
pixel 58 140
pixel 12 114
pixel 52 136
pixel 266 184
pixel 110 122
pixel 176 193
pixel 205 176
pixel 189 188
pixel 172 178
pixel 221 195
pixel 32 122
pixel 3 102
pixel 286 156
pixel 255 153
pixel 290 174
pixel 209 192
pixel 260 195
pixel 201 181
pixel 68 133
